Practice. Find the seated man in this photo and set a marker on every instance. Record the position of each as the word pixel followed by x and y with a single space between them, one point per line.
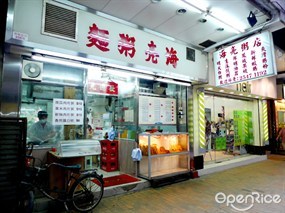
pixel 42 131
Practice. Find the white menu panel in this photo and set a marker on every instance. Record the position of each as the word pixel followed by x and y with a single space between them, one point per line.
pixel 154 110
pixel 67 112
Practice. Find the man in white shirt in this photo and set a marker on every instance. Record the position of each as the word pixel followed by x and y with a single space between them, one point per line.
pixel 42 131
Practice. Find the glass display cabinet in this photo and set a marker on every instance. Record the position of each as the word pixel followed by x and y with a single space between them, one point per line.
pixel 75 148
pixel 163 154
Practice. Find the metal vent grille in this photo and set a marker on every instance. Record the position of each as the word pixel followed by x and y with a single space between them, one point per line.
pixel 12 151
pixel 207 43
pixel 59 21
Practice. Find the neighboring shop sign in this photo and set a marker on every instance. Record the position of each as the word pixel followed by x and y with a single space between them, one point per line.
pixel 102 87
pixel 67 112
pixel 154 110
pixel 247 60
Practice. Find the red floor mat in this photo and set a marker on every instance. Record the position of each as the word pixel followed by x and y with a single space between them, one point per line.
pixel 119 179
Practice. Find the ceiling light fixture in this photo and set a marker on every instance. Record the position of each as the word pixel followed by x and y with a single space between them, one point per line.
pixel 155 1
pixel 176 77
pixel 218 16
pixel 227 19
pixel 181 11
pixel 130 69
pixel 59 61
pixel 202 20
pixel 126 74
pixel 165 80
pixel 199 5
pixel 63 60
pixel 67 56
pixel 188 7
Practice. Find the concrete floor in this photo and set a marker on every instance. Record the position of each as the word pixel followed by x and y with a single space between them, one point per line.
pixel 265 179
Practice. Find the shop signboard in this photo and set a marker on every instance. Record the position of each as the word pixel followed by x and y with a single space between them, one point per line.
pixel 67 112
pixel 250 59
pixel 111 42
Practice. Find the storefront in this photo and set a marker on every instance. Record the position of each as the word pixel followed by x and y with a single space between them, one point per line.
pixel 233 124
pixel 232 108
pixel 279 146
pixel 278 106
pixel 106 80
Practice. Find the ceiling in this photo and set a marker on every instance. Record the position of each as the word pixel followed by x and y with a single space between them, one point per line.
pixel 194 28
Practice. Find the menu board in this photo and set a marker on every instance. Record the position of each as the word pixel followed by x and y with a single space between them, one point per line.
pixel 67 112
pixel 153 110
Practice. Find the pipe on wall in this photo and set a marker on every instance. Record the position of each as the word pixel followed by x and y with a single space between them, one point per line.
pixel 10 91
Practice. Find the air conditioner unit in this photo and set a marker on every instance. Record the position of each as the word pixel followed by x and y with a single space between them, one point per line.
pixel 32 70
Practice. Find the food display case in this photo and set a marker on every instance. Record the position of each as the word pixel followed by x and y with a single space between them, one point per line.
pixel 74 148
pixel 163 154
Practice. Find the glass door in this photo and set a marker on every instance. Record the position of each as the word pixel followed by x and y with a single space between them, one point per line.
pixel 228 128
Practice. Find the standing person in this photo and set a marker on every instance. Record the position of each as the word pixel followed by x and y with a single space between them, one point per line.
pixel 281 135
pixel 42 131
pixel 208 130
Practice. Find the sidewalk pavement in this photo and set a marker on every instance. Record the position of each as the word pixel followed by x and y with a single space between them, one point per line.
pixel 261 184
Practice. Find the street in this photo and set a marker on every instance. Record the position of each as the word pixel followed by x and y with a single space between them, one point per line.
pixel 255 188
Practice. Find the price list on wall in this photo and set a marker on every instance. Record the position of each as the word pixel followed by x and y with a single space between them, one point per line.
pixel 157 110
pixel 68 112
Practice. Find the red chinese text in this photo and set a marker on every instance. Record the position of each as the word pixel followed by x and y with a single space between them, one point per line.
pixel 223 54
pixel 151 53
pixel 171 57
pixel 127 45
pixel 98 38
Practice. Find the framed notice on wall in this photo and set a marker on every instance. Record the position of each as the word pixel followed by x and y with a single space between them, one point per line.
pixel 67 112
pixel 157 110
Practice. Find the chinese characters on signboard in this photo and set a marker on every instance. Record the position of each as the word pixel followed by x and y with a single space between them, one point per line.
pixel 68 112
pixel 246 60
pixel 99 38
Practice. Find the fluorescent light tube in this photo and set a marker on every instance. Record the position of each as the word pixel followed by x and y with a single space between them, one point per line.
pixel 126 74
pixel 66 56
pixel 165 80
pixel 130 68
pixel 59 61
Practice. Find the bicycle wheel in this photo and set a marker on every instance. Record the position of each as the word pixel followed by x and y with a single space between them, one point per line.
pixel 86 192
